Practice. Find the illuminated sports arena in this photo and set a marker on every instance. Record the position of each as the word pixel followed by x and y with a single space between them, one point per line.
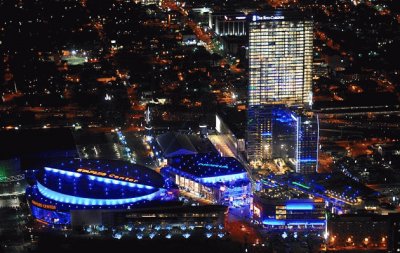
pixel 97 185
pixel 221 180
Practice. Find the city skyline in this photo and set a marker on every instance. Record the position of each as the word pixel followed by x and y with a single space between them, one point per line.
pixel 201 126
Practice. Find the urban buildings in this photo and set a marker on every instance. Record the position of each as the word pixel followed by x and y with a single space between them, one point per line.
pixel 167 221
pixel 358 232
pixel 280 73
pixel 259 134
pixel 93 67
pixel 12 183
pixel 295 137
pixel 280 208
pixel 60 187
pixel 228 24
pixel 280 132
pixel 214 178
pixel 340 194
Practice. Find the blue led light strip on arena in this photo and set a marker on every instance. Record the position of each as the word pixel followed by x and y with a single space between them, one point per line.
pixel 299 206
pixel 275 222
pixel 100 179
pixel 68 199
pixel 223 178
pixel 63 172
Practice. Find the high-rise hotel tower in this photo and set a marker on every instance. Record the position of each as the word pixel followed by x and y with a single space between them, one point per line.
pixel 280 63
pixel 280 59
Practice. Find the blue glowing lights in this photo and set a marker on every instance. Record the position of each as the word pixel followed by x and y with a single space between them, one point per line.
pixel 91 184
pixel 206 165
pixel 275 222
pixel 207 168
pixel 225 178
pixel 64 198
pixel 310 160
pixel 63 172
pixel 299 206
pixel 119 182
pixel 213 165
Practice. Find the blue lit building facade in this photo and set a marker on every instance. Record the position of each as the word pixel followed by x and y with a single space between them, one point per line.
pixel 295 139
pixel 284 139
pixel 307 144
pixel 296 214
pixel 221 180
pixel 73 185
pixel 259 134
pixel 280 132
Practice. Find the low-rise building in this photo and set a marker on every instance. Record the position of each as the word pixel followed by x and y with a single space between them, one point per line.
pixel 221 180
pixel 279 208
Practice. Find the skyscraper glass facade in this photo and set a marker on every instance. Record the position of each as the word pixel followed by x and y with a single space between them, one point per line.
pixel 307 144
pixel 295 139
pixel 280 60
pixel 259 134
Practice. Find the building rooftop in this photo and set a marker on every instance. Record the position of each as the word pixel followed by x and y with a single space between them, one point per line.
pixel 175 144
pixel 208 168
pixel 103 169
pixel 82 184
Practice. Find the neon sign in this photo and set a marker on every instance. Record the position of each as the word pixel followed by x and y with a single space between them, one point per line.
pixel 92 172
pixel 224 178
pixel 45 206
pixel 104 174
pixel 257 18
pixel 122 178
pixel 213 165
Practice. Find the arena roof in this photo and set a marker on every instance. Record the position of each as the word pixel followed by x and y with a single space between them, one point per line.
pixel 88 183
pixel 208 168
pixel 112 169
